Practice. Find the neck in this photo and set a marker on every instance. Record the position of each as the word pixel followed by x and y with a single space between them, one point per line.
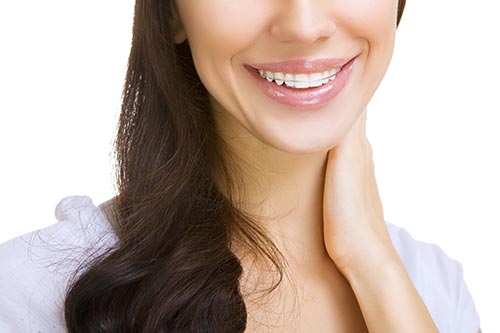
pixel 283 191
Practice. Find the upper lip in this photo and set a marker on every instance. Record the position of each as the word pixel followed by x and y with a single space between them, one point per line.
pixel 305 66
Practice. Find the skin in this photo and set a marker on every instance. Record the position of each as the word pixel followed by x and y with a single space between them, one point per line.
pixel 309 176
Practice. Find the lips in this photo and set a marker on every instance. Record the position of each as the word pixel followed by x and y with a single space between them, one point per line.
pixel 304 99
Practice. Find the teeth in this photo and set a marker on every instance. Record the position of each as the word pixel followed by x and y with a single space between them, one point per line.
pixel 300 81
pixel 315 80
pixel 316 77
pixel 333 75
pixel 289 80
pixel 314 84
pixel 326 74
pixel 270 76
pixel 279 78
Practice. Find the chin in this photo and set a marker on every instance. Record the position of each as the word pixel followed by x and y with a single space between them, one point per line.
pixel 302 143
pixel 317 134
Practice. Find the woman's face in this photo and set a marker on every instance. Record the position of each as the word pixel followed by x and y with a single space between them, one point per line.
pixel 299 43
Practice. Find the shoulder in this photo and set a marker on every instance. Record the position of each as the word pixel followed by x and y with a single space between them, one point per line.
pixel 37 267
pixel 439 280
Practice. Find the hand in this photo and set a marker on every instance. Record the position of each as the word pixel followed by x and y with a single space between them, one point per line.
pixel 354 226
pixel 357 240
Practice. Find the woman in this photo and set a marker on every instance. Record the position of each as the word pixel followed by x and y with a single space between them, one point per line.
pixel 247 198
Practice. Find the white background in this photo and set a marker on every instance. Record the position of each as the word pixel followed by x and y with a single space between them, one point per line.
pixel 434 122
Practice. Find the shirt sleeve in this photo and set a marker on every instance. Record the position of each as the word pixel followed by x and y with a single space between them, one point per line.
pixel 440 282
pixel 36 268
pixel 446 293
pixel 28 290
pixel 466 318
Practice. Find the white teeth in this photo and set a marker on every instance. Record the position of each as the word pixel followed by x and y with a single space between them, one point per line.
pixel 314 84
pixel 326 74
pixel 301 84
pixel 316 77
pixel 289 80
pixel 269 76
pixel 316 80
pixel 301 77
pixel 300 81
pixel 279 78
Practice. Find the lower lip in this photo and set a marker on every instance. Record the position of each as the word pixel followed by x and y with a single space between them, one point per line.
pixel 309 98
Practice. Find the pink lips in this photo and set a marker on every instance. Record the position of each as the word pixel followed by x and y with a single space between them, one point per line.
pixel 310 98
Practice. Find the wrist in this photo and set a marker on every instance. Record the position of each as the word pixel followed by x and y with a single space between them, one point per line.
pixel 386 295
pixel 373 262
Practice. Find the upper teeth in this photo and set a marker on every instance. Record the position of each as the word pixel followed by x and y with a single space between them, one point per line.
pixel 300 81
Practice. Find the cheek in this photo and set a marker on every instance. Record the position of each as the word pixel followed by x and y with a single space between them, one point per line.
pixel 217 30
pixel 220 26
pixel 372 20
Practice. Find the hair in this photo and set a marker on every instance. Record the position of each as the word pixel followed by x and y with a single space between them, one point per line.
pixel 401 8
pixel 173 268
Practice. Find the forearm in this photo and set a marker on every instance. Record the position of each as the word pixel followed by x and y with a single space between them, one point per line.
pixel 387 298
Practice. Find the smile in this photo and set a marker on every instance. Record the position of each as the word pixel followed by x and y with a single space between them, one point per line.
pixel 300 81
pixel 307 85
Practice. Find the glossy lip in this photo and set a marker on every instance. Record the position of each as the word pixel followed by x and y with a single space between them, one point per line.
pixel 306 99
pixel 305 66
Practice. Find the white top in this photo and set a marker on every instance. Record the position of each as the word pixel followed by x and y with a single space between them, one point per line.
pixel 36 268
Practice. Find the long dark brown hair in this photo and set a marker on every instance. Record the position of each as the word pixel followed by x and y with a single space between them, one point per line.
pixel 172 268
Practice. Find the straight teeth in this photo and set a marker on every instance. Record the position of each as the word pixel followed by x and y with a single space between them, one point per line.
pixel 300 81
